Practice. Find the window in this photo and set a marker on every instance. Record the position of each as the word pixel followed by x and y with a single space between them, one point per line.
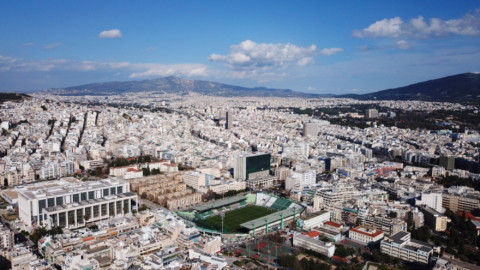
pixel 96 210
pixel 83 196
pixel 125 206
pixel 119 207
pixel 71 217
pixel 112 190
pixel 62 219
pixel 51 202
pixel 80 215
pixel 104 209
pixel 76 198
pixel 111 208
pixel 88 213
pixel 105 192
pixel 59 200
pixel 41 204
pixel 119 190
pixel 91 195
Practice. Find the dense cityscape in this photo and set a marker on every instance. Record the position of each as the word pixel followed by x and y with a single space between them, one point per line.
pixel 190 182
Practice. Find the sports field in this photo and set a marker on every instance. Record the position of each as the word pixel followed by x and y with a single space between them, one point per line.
pixel 233 219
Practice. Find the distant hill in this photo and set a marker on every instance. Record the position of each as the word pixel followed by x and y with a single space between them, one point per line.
pixel 176 85
pixel 462 88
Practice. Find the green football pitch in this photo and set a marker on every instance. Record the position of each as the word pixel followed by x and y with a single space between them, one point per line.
pixel 233 219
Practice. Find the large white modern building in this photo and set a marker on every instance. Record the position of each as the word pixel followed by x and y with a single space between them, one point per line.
pixel 69 202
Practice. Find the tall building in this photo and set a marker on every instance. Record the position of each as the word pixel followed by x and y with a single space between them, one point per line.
pixel 434 219
pixel 69 202
pixel 251 166
pixel 371 113
pixel 433 200
pixel 228 120
pixel 447 162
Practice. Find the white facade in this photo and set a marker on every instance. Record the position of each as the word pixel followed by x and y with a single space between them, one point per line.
pixel 432 200
pixel 40 202
pixel 304 241
pixel 317 220
pixel 365 235
pixel 299 180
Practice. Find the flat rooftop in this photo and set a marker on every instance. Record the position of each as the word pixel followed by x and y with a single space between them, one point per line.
pixel 65 186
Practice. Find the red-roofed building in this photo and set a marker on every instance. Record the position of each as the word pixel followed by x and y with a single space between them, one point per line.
pixel 313 234
pixel 333 224
pixel 365 235
pixel 468 216
pixel 133 173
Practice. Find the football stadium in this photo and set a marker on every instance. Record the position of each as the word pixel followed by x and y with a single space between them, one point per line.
pixel 249 214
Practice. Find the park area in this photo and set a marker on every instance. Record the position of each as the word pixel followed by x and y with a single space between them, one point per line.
pixel 233 219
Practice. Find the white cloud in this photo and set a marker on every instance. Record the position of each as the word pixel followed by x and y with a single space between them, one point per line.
pixel 386 27
pixel 330 51
pixel 156 70
pixel 402 44
pixel 249 54
pixel 134 70
pixel 52 46
pixel 114 33
pixel 467 25
pixel 305 61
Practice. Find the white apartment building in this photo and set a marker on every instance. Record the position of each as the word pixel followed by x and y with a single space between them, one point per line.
pixel 304 241
pixel 69 202
pixel 401 246
pixel 51 170
pixel 316 220
pixel 6 238
pixel 432 200
pixel 299 180
pixel 200 178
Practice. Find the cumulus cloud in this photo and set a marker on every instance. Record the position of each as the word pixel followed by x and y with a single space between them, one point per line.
pixel 114 33
pixel 467 25
pixel 52 46
pixel 330 51
pixel 249 54
pixel 402 44
pixel 134 70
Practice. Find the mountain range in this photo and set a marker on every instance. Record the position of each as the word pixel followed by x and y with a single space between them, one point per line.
pixel 462 88
pixel 177 85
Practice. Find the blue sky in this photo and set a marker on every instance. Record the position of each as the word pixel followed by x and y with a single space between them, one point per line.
pixel 311 46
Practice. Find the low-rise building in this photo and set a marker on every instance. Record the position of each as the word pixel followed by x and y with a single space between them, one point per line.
pixel 304 241
pixel 401 246
pixel 365 235
pixel 316 220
